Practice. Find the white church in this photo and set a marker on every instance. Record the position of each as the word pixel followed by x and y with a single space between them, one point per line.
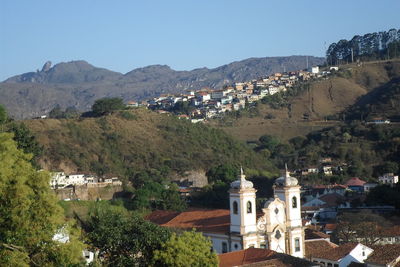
pixel 278 227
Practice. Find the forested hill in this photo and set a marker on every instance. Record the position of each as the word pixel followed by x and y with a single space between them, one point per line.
pixel 79 84
pixel 129 142
pixel 370 46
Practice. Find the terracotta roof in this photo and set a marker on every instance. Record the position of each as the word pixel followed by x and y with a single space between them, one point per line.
pixel 333 254
pixel 317 248
pixel 385 254
pixel 313 234
pixel 257 257
pixel 330 226
pixel 391 231
pixel 355 181
pixel 204 220
pixel 331 200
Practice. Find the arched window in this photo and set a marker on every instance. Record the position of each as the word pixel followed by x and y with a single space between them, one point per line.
pixel 294 202
pixel 249 209
pixel 235 207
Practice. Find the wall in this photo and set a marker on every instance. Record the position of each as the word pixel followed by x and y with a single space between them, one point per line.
pixel 84 192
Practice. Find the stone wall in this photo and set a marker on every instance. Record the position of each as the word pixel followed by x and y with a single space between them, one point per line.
pixel 85 192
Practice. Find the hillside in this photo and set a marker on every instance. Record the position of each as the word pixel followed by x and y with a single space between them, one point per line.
pixel 320 100
pixel 138 140
pixel 79 84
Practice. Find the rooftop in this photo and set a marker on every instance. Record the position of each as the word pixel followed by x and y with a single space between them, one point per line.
pixel 329 250
pixel 385 254
pixel 355 181
pixel 255 257
pixel 204 220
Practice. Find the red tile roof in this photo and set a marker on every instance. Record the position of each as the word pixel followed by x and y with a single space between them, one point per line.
pixel 204 220
pixel 333 254
pixel 314 234
pixel 317 248
pixel 385 254
pixel 355 181
pixel 332 199
pixel 257 257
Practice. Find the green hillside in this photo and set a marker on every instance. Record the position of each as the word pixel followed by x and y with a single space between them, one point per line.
pixel 129 142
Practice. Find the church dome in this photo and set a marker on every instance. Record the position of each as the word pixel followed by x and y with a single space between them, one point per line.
pixel 286 180
pixel 241 183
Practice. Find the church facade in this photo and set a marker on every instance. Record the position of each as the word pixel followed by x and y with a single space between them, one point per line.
pixel 278 227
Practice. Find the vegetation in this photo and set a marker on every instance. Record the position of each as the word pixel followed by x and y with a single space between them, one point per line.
pixel 107 105
pixel 153 145
pixel 364 226
pixel 68 113
pixel 188 249
pixel 29 214
pixel 371 46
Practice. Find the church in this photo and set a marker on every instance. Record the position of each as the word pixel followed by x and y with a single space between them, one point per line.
pixel 278 227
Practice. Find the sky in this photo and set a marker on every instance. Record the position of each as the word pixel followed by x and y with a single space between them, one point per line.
pixel 124 35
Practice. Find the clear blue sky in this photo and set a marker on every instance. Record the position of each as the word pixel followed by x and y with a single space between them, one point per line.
pixel 187 34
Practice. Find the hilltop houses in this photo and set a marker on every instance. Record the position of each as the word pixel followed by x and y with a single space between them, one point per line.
pixel 208 103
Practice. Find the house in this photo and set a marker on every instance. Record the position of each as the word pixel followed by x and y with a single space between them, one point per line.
pixel 260 257
pixel 389 178
pixel 336 256
pixel 132 104
pixel 315 70
pixel 327 170
pixel 355 184
pixel 385 256
pixel 369 186
pixel 278 227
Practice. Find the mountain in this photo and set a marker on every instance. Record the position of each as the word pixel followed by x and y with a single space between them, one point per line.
pixel 79 84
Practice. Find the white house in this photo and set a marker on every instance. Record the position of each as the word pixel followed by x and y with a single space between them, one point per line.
pixel 315 70
pixel 389 178
pixel 279 227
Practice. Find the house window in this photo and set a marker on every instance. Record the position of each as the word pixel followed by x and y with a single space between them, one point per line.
pixel 224 247
pixel 249 207
pixel 336 265
pixel 294 202
pixel 263 245
pixel 329 264
pixel 296 244
pixel 235 207
pixel 236 246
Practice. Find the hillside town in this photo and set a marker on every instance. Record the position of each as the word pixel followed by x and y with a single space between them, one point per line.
pixel 208 103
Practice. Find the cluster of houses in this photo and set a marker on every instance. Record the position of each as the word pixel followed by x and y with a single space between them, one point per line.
pixel 61 180
pixel 208 103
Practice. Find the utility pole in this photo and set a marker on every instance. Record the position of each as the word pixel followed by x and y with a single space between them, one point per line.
pixel 352 55
pixel 307 62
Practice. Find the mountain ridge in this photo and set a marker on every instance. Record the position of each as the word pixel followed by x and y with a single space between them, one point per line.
pixel 79 84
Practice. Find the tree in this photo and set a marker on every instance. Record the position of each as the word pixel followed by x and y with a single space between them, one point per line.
pixel 225 173
pixel 365 227
pixel 26 140
pixel 3 115
pixel 123 239
pixel 188 249
pixel 29 214
pixel 107 105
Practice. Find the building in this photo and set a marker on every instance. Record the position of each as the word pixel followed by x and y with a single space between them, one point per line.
pixel 355 184
pixel 385 256
pixel 260 257
pixel 329 254
pixel 278 228
pixel 315 70
pixel 389 178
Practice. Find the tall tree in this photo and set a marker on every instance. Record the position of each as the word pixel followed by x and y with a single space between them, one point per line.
pixel 188 249
pixel 29 214
pixel 107 105
pixel 123 239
